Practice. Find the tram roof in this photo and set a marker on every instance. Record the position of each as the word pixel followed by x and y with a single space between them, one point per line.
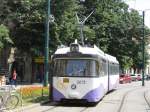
pixel 84 50
pixel 87 51
pixel 111 58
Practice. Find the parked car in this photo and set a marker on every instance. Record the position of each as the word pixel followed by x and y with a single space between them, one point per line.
pixel 133 77
pixel 125 78
pixel 147 77
pixel 139 77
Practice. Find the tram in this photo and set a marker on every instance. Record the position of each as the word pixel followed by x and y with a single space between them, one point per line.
pixel 83 73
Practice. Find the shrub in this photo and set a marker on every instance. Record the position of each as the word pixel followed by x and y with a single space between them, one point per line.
pixel 34 92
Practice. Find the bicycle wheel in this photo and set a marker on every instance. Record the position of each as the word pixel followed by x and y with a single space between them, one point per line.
pixel 1 101
pixel 12 102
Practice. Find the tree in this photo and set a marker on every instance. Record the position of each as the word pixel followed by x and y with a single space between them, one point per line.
pixel 112 27
pixel 116 29
pixel 4 36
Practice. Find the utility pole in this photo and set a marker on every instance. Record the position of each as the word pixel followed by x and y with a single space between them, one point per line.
pixel 46 70
pixel 143 49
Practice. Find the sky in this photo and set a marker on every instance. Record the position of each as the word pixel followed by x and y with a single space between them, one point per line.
pixel 141 5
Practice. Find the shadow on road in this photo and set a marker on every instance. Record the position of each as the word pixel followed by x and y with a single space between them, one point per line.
pixel 70 104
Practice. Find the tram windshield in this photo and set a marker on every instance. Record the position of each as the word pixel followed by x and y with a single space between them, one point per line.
pixel 76 67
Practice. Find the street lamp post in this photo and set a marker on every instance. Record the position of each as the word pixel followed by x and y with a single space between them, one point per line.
pixel 46 63
pixel 143 45
pixel 143 49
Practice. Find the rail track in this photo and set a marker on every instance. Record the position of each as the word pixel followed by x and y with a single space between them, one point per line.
pixel 146 98
pixel 144 94
pixel 124 98
pixel 67 106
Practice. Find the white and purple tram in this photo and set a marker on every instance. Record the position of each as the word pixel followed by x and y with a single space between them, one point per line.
pixel 83 73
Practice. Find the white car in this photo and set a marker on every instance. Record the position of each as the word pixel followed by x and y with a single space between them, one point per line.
pixel 133 77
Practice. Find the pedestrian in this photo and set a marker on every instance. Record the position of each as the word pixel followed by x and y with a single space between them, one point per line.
pixel 14 77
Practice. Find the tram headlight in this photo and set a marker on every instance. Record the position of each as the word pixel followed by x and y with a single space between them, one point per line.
pixel 74 48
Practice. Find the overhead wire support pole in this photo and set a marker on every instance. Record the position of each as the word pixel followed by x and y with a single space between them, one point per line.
pixel 46 63
pixel 143 45
pixel 88 16
pixel 143 49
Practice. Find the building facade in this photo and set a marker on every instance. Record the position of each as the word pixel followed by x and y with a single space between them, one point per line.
pixel 147 68
pixel 10 59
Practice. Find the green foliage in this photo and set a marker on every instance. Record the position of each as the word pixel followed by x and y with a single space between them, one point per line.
pixel 65 20
pixel 113 27
pixel 25 20
pixel 4 36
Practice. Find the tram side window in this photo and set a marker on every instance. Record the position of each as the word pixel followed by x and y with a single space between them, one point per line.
pixel 94 68
pixel 97 68
pixel 116 67
pixel 106 68
pixel 103 69
pixel 109 68
pixel 58 68
pixel 100 68
pixel 113 69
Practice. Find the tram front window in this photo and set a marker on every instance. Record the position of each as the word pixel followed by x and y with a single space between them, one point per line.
pixel 75 67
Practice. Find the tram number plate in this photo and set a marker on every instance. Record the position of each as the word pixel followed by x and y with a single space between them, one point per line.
pixel 65 80
pixel 81 82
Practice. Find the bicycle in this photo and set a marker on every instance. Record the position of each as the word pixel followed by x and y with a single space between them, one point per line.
pixel 9 99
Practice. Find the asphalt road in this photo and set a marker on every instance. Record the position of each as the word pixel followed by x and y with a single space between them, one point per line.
pixel 131 97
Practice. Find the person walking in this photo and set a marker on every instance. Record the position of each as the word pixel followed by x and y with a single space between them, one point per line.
pixel 14 77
